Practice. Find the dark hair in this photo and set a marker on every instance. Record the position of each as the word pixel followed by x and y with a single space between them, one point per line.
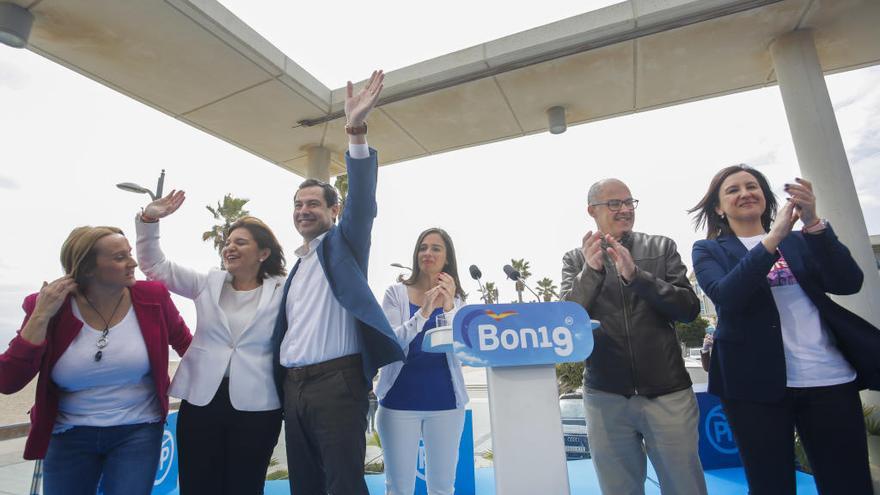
pixel 705 214
pixel 265 239
pixel 331 195
pixel 451 267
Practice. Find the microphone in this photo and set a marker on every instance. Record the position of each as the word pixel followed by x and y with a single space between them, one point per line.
pixel 476 274
pixel 511 273
pixel 514 275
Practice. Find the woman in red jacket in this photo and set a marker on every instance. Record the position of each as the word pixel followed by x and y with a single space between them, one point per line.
pixel 99 341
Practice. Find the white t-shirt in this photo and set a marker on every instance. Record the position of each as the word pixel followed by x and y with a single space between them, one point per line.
pixel 117 390
pixel 811 359
pixel 240 307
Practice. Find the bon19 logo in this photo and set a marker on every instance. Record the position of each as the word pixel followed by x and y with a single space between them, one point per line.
pixel 522 334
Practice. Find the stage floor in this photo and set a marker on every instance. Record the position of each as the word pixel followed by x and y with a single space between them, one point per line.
pixel 582 479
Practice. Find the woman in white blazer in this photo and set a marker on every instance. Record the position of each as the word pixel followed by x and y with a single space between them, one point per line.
pixel 423 396
pixel 230 415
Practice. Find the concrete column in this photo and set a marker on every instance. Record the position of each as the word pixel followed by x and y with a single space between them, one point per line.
pixel 823 161
pixel 822 158
pixel 319 164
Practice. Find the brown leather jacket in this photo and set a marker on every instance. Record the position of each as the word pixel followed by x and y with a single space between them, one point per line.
pixel 636 349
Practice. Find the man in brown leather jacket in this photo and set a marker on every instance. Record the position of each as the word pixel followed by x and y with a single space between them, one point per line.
pixel 637 392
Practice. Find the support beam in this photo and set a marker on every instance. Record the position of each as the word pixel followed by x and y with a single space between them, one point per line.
pixel 319 164
pixel 823 160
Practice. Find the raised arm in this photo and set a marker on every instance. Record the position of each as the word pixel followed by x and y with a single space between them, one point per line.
pixel 180 280
pixel 179 335
pixel 21 361
pixel 731 290
pixel 361 165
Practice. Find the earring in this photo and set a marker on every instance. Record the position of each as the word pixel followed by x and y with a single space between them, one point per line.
pixel 723 216
pixel 261 260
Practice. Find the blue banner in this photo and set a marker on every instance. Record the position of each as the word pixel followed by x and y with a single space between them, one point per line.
pixel 166 474
pixel 486 335
pixel 717 447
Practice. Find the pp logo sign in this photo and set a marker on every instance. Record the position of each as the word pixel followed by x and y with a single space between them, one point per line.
pixel 166 458
pixel 718 431
pixel 166 472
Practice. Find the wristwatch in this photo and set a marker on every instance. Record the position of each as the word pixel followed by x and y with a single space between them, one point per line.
pixel 358 130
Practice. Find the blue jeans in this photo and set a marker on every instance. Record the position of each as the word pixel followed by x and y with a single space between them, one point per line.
pixel 124 459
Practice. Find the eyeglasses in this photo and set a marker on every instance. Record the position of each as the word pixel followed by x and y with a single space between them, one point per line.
pixel 617 204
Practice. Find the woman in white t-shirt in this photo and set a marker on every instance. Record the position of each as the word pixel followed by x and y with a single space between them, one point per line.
pixel 785 356
pixel 230 415
pixel 97 342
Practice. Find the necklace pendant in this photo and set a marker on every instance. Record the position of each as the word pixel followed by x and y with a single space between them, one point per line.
pixel 99 355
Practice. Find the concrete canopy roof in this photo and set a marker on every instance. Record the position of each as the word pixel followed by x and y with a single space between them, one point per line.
pixel 196 61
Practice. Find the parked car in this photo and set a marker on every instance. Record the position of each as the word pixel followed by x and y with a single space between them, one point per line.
pixel 574 425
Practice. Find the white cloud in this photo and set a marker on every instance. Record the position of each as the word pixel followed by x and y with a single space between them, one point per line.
pixel 7 183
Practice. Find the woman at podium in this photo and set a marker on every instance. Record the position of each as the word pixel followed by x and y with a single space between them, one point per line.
pixel 423 396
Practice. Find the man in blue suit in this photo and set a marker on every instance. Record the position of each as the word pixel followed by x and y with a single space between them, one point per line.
pixel 331 335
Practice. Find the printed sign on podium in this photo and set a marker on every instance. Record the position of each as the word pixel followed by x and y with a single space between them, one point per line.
pixel 497 335
pixel 520 345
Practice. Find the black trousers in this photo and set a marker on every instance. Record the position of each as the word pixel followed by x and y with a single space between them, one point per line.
pixel 831 426
pixel 325 419
pixel 223 451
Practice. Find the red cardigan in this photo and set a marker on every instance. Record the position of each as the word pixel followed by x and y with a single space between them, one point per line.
pixel 160 323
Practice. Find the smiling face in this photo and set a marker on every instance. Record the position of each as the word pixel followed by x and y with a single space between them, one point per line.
pixel 114 265
pixel 432 254
pixel 311 215
pixel 613 222
pixel 242 254
pixel 741 199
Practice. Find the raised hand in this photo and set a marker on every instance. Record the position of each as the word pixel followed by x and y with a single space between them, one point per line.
pixel 786 217
pixel 358 106
pixel 804 200
pixel 49 301
pixel 621 257
pixel 163 207
pixel 591 246
pixel 446 284
pixel 52 296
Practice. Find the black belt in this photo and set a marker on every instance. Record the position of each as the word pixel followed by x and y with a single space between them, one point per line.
pixel 312 370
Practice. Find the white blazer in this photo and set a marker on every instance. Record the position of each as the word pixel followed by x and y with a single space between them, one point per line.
pixel 249 357
pixel 406 328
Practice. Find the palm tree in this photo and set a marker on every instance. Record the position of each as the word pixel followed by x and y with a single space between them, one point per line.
pixel 230 210
pixel 491 293
pixel 522 266
pixel 546 289
pixel 341 185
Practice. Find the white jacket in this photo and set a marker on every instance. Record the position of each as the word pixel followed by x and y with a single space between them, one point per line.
pixel 249 357
pixel 396 307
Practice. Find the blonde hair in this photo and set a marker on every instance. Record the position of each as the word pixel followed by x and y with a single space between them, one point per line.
pixel 78 256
